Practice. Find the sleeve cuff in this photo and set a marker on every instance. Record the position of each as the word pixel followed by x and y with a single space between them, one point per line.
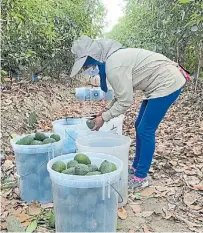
pixel 106 116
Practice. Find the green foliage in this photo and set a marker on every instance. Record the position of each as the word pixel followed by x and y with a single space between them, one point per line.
pixel 37 35
pixel 173 28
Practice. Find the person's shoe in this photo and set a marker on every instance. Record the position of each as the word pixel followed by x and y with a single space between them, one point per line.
pixel 136 182
pixel 131 170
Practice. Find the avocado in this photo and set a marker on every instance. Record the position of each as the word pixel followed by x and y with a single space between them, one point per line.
pixel 48 140
pixel 36 142
pixel 59 166
pixel 25 140
pixel 56 137
pixel 72 163
pixel 82 158
pixel 93 168
pixel 107 167
pixel 69 171
pixel 81 169
pixel 93 173
pixel 40 136
pixel 90 124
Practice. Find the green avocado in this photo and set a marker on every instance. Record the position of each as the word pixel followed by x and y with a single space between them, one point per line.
pixel 81 169
pixel 48 140
pixel 90 124
pixel 59 166
pixel 40 136
pixel 93 173
pixel 107 167
pixel 69 171
pixel 82 158
pixel 36 142
pixel 56 137
pixel 25 140
pixel 72 163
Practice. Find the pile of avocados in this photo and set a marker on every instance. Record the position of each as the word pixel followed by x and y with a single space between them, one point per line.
pixel 38 138
pixel 82 166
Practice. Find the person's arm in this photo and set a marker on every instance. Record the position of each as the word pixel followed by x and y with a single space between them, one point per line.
pixel 121 81
pixel 108 106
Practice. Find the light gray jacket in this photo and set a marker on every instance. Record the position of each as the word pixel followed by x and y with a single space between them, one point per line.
pixel 130 69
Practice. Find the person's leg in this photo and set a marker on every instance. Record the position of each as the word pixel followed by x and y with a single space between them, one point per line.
pixel 153 115
pixel 137 122
pixel 132 168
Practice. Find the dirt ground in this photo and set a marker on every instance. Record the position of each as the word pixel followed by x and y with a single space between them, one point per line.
pixel 174 201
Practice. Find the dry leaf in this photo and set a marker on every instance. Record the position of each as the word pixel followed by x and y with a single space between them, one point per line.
pixel 198 150
pixel 190 198
pixel 3 225
pixel 195 207
pixel 168 214
pixel 136 208
pixel 48 205
pixel 122 213
pixel 132 230
pixel 34 208
pixel 146 228
pixel 8 164
pixel 199 186
pixel 147 192
pixel 146 214
pixel 22 217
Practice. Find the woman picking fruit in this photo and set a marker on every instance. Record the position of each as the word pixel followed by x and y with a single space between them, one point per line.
pixel 127 70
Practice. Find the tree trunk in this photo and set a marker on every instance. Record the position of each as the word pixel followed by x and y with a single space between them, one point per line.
pixel 199 65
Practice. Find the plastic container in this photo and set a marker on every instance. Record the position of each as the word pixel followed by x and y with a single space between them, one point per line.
pixel 95 94
pixel 31 164
pixel 108 95
pixel 86 203
pixel 115 145
pixel 82 93
pixel 68 129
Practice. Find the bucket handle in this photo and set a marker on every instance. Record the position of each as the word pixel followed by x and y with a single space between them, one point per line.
pixel 70 135
pixel 44 162
pixel 117 193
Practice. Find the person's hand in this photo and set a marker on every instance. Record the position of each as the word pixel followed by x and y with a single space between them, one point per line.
pixel 98 121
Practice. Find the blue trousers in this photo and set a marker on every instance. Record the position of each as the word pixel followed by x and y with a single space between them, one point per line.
pixel 151 113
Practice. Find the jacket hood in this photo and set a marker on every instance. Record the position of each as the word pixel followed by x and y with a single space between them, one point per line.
pixel 99 49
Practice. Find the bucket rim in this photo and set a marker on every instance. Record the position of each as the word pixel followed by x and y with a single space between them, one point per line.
pixel 95 137
pixel 76 178
pixel 14 140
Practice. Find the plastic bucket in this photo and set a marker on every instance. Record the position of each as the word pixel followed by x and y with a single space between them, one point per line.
pixel 86 203
pixel 115 125
pixel 96 94
pixel 108 95
pixel 68 128
pixel 115 145
pixel 31 164
pixel 82 93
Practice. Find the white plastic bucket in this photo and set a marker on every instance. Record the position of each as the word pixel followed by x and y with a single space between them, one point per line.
pixel 31 164
pixel 115 145
pixel 96 94
pixel 73 128
pixel 68 128
pixel 108 95
pixel 86 203
pixel 82 93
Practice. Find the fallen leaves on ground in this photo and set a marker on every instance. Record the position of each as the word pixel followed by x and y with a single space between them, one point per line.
pixel 122 213
pixel 177 167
